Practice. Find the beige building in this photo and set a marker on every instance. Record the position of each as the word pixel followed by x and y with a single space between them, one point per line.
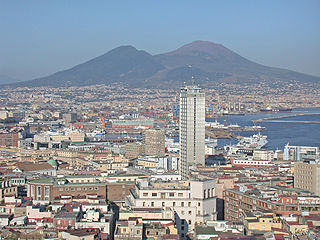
pixel 133 150
pixel 260 221
pixel 307 176
pixel 153 141
pixel 263 154
pixel 76 136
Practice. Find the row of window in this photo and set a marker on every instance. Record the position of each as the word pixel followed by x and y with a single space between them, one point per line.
pixel 163 204
pixel 162 195
pixel 77 189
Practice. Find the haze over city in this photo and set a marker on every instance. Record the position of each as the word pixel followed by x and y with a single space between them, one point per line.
pixel 160 120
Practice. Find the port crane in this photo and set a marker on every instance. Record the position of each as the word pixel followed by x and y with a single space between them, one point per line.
pixel 103 120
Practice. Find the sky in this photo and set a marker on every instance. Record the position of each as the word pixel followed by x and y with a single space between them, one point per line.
pixel 40 37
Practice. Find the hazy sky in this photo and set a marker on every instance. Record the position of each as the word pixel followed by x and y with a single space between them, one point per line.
pixel 41 37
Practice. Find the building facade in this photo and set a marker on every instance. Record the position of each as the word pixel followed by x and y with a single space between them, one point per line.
pixel 237 201
pixel 153 141
pixel 192 128
pixel 307 176
pixel 188 202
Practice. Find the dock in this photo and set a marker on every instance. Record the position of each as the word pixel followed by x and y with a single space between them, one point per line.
pixel 278 119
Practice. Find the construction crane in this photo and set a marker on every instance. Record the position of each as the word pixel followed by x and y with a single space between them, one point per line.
pixel 103 120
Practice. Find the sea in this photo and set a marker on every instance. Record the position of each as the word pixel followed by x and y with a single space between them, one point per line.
pixel 279 133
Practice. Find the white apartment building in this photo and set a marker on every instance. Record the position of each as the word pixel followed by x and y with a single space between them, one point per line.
pixel 191 128
pixel 189 202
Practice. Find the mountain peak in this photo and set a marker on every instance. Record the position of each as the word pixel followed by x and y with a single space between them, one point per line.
pixel 202 43
pixel 200 47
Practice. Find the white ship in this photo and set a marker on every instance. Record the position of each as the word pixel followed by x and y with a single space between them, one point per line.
pixel 255 141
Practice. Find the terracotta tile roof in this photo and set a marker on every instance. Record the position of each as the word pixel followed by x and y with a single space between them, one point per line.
pixel 30 167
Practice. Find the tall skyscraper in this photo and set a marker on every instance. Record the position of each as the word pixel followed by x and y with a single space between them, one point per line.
pixel 191 128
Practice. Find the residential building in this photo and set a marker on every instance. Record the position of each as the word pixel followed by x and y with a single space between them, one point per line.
pixel 263 154
pixel 129 229
pixel 307 176
pixel 254 199
pixel 69 117
pixel 9 139
pixel 30 168
pixel 7 188
pixel 48 189
pixel 260 221
pixel 133 150
pixel 153 141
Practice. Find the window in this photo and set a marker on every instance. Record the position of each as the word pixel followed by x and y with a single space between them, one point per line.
pixel 189 204
pixel 32 190
pixel 154 194
pixel 189 212
pixel 182 204
pixel 180 194
pixel 198 204
pixel 171 194
pixel 163 204
pixel 144 204
pixel 145 194
pixel 152 204
pixel 46 191
pixel 174 204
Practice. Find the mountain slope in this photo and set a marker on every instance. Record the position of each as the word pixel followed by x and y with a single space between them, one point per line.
pixel 124 64
pixel 207 61
pixel 7 80
pixel 215 58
